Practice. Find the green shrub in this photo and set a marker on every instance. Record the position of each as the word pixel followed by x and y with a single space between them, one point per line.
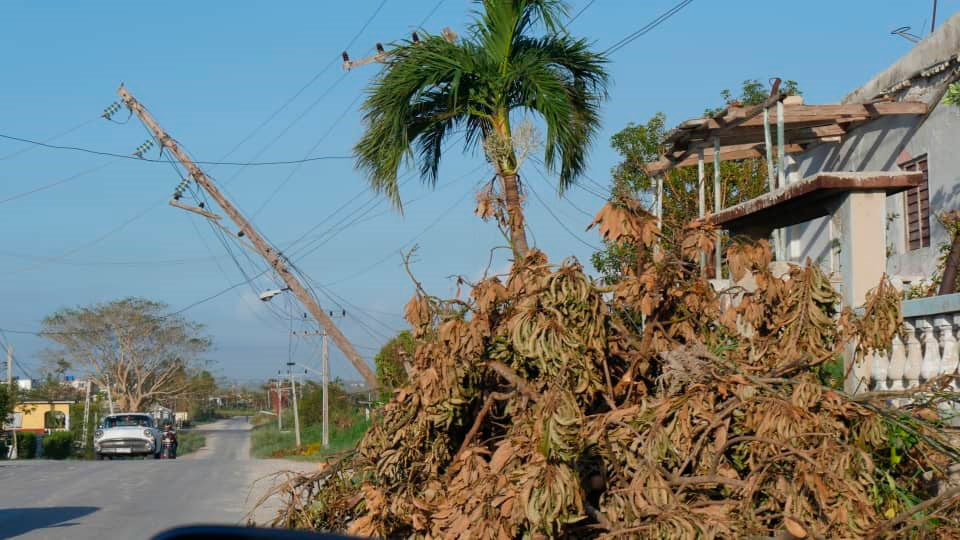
pixel 26 445
pixel 58 445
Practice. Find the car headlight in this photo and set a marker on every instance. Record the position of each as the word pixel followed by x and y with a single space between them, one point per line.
pixel 97 434
pixel 149 434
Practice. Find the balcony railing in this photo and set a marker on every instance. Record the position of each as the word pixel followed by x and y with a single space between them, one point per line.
pixel 924 350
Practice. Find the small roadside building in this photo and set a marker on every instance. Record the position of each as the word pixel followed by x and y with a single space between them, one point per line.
pixel 40 416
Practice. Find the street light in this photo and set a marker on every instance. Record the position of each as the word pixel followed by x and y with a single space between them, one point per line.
pixel 266 296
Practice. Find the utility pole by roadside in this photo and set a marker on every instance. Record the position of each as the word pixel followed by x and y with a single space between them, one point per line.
pixel 271 255
pixel 109 396
pixel 325 378
pixel 279 406
pixel 13 449
pixel 325 353
pixel 86 414
pixel 296 415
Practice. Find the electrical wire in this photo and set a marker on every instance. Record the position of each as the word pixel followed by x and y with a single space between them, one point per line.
pixel 41 333
pixel 579 13
pixel 403 246
pixel 91 243
pixel 560 221
pixel 647 28
pixel 543 175
pixel 150 160
pixel 54 183
pixel 312 149
pixel 51 139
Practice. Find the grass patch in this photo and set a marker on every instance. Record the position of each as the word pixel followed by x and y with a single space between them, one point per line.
pixel 190 441
pixel 267 442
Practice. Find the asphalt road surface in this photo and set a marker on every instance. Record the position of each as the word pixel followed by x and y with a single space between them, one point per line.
pixel 135 499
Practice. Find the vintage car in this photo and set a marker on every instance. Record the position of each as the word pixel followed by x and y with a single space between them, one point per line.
pixel 126 434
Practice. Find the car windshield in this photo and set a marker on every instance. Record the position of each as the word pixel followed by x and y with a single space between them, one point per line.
pixel 126 420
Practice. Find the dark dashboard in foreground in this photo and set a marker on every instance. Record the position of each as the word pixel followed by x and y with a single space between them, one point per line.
pixel 225 532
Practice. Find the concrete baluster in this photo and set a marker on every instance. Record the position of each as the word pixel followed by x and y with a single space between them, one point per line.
pixel 951 356
pixel 878 372
pixel 898 363
pixel 930 367
pixel 861 372
pixel 914 355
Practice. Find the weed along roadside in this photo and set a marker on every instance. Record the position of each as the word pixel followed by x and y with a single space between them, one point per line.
pixel 348 423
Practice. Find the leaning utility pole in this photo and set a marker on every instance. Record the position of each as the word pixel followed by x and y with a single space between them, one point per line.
pixel 13 449
pixel 272 256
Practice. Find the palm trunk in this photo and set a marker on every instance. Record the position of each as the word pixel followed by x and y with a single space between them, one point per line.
pixel 518 234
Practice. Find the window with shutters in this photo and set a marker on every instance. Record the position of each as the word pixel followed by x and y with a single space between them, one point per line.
pixel 917 211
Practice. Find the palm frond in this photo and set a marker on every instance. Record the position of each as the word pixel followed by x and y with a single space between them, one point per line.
pixel 563 81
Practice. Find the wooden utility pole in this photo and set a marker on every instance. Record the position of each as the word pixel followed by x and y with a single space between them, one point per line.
pixel 325 352
pixel 296 414
pixel 13 449
pixel 273 258
pixel 86 414
pixel 325 377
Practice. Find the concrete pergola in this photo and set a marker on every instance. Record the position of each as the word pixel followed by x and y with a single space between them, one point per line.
pixel 858 199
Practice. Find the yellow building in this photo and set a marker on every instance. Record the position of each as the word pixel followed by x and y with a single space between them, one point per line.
pixel 43 416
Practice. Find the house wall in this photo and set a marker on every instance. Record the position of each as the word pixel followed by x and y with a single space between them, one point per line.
pixel 879 146
pixel 33 414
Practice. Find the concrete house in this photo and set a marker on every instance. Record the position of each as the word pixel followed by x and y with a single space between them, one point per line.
pixel 924 143
pixel 858 187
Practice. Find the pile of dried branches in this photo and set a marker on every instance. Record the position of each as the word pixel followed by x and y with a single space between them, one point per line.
pixel 547 406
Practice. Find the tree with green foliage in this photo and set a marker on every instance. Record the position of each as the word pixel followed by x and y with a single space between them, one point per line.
pixel 638 144
pixel 433 88
pixel 391 373
pixel 344 409
pixel 8 397
pixel 135 346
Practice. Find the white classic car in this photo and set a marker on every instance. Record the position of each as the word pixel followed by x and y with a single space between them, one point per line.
pixel 126 434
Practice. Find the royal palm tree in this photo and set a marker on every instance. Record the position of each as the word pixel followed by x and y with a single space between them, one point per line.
pixel 432 88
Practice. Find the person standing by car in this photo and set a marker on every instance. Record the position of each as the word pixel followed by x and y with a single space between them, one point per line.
pixel 168 431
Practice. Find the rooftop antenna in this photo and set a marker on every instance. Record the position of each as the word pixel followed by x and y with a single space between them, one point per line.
pixel 904 32
pixel 933 20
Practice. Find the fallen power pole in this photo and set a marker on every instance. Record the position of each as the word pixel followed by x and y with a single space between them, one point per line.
pixel 272 256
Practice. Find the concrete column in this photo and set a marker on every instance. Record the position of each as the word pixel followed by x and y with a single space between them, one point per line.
pixel 863 255
pixel 863 243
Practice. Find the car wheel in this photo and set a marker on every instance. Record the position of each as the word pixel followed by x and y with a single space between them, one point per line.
pixel 156 456
pixel 99 457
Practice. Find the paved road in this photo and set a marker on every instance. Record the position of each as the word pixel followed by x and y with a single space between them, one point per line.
pixel 135 499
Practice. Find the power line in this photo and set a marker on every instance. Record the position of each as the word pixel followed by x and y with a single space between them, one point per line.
pixel 51 139
pixel 647 28
pixel 41 333
pixel 53 184
pixel 564 196
pixel 151 160
pixel 406 244
pixel 314 147
pixel 560 221
pixel 579 13
pixel 89 244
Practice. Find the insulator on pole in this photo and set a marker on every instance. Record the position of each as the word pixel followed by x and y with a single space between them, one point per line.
pixel 346 57
pixel 380 48
pixel 416 38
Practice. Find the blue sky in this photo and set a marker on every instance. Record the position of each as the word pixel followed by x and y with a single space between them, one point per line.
pixel 212 72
